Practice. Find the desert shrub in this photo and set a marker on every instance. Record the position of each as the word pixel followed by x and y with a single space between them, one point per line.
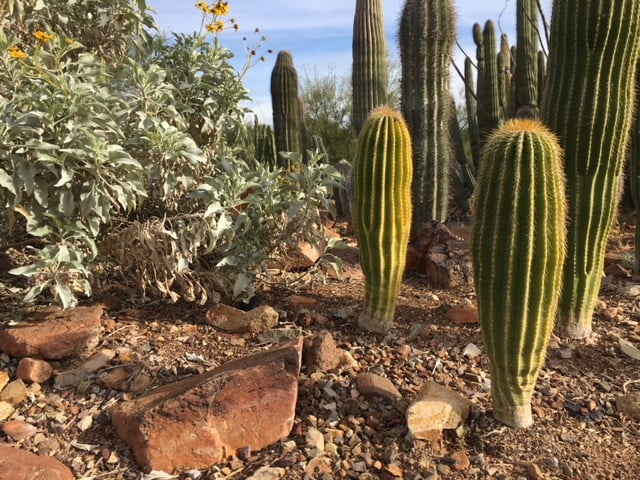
pixel 134 162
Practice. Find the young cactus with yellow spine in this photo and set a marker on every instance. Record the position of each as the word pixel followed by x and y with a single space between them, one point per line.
pixel 518 250
pixel 382 212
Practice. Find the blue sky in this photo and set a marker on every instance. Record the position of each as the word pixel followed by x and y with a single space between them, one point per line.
pixel 317 32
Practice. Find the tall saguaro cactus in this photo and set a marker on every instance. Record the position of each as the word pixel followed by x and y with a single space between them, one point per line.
pixel 488 93
pixel 370 75
pixel 427 36
pixel 287 112
pixel 518 248
pixel 382 213
pixel 588 103
pixel 527 54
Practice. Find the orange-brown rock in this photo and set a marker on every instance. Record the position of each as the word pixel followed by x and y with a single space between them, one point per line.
pixel 202 420
pixel 16 464
pixel 462 314
pixel 34 370
pixel 53 333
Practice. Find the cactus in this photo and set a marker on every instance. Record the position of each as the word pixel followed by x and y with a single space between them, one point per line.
pixel 518 248
pixel 526 74
pixel 490 114
pixel 288 119
pixel 370 76
pixel 264 144
pixel 588 103
pixel 472 111
pixel 382 212
pixel 542 75
pixel 427 36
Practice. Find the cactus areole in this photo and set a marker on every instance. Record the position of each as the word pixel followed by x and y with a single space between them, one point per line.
pixel 518 249
pixel 382 213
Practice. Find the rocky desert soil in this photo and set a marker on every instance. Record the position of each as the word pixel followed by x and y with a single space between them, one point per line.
pixel 582 430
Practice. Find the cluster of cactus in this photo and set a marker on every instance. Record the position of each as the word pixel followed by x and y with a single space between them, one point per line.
pixel 370 74
pixel 382 213
pixel 427 36
pixel 288 112
pixel 264 144
pixel 588 102
pixel 518 248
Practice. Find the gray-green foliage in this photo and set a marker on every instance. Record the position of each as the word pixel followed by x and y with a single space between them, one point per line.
pixel 92 151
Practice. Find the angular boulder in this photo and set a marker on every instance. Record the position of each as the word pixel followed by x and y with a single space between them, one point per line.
pixel 53 333
pixel 16 464
pixel 434 409
pixel 202 420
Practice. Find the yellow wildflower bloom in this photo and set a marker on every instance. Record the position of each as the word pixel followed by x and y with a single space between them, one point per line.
pixel 44 36
pixel 69 41
pixel 221 8
pixel 215 27
pixel 202 6
pixel 16 53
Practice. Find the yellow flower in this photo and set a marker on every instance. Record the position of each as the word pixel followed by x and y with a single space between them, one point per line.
pixel 221 8
pixel 43 36
pixel 202 6
pixel 69 41
pixel 215 27
pixel 16 53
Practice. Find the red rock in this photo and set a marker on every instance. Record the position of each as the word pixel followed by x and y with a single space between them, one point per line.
pixel 18 430
pixel 370 385
pixel 205 419
pixel 321 352
pixel 462 314
pixel 34 370
pixel 234 320
pixel 298 303
pixel 16 464
pixel 53 333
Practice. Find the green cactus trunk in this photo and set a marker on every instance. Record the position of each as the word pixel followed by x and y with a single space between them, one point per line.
pixel 634 174
pixel 382 213
pixel 490 113
pixel 472 111
pixel 264 144
pixel 526 74
pixel 588 103
pixel 370 76
pixel 427 37
pixel 518 248
pixel 287 113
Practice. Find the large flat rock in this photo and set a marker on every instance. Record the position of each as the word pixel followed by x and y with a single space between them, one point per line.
pixel 202 420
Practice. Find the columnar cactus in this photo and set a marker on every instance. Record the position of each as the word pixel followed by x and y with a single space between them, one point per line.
pixel 472 111
pixel 370 75
pixel 287 112
pixel 526 74
pixel 382 213
pixel 264 144
pixel 490 112
pixel 588 103
pixel 518 248
pixel 427 37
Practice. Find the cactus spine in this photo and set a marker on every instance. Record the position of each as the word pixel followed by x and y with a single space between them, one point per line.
pixel 518 248
pixel 427 36
pixel 287 111
pixel 382 213
pixel 588 103
pixel 370 76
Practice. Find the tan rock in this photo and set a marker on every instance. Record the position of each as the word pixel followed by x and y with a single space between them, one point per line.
pixel 14 393
pixel 16 464
pixel 113 378
pixel 53 333
pixel 6 410
pixel 434 409
pixel 234 320
pixel 202 420
pixel 4 379
pixel 33 370
pixel 321 352
pixel 95 362
pixel 370 385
